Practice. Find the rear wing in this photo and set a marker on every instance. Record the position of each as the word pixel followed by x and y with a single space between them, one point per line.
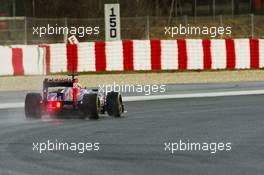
pixel 57 83
pixel 61 83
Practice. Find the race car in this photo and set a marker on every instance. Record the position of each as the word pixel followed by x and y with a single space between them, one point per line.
pixel 61 96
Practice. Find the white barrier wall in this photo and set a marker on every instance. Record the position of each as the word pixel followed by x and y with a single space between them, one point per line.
pixel 6 65
pixel 58 58
pixel 261 53
pixel 133 55
pixel 22 60
pixel 218 48
pixel 137 55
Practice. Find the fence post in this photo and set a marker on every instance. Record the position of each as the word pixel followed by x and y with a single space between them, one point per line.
pixel 214 9
pixel 221 22
pixel 147 28
pixel 65 35
pixel 185 17
pixel 232 6
pixel 25 30
pixel 252 25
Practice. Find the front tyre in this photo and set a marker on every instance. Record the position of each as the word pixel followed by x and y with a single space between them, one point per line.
pixel 114 104
pixel 91 106
pixel 33 105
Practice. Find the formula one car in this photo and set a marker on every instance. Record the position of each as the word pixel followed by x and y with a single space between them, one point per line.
pixel 63 95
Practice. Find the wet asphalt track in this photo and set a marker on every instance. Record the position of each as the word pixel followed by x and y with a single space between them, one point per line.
pixel 134 144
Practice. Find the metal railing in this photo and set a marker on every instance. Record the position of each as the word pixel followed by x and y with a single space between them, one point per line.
pixel 20 30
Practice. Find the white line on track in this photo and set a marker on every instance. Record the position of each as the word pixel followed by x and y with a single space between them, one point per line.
pixel 193 95
pixel 163 97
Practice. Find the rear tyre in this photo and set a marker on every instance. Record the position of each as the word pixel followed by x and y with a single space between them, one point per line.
pixel 91 106
pixel 33 105
pixel 114 104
